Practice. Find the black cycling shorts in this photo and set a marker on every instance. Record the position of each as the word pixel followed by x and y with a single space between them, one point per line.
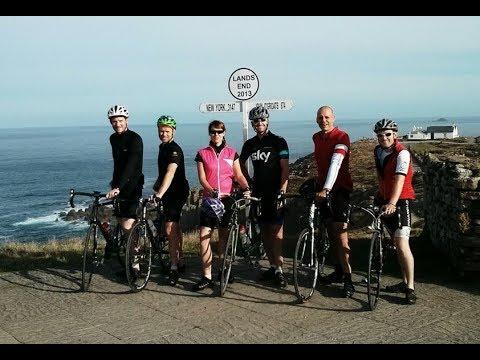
pixel 269 212
pixel 213 223
pixel 401 217
pixel 172 207
pixel 127 207
pixel 340 203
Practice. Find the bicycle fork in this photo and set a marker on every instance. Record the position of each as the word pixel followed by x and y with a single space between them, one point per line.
pixel 311 217
pixel 97 260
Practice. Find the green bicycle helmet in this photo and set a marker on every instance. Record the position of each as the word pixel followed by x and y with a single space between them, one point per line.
pixel 167 120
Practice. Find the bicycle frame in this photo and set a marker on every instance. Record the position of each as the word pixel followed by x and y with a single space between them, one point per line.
pixel 247 249
pixel 310 250
pixel 143 244
pixel 90 246
pixel 161 238
pixel 231 245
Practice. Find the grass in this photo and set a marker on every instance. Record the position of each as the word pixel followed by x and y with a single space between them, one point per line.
pixel 17 256
pixel 21 256
pixel 459 150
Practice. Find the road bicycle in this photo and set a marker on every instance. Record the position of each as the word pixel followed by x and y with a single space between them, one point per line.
pixel 380 246
pixel 311 249
pixel 146 244
pixel 244 238
pixel 92 254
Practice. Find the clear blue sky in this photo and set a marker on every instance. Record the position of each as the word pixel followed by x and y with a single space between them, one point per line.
pixel 62 71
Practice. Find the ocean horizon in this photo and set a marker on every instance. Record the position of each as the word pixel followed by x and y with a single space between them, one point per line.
pixel 40 165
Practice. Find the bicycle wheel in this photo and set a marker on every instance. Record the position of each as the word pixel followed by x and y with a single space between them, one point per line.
pixel 374 270
pixel 138 257
pixel 90 259
pixel 228 258
pixel 305 266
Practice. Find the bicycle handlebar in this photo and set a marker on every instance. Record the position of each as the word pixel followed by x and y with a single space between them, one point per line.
pixel 328 199
pixel 374 211
pixel 152 199
pixel 238 203
pixel 291 196
pixel 96 194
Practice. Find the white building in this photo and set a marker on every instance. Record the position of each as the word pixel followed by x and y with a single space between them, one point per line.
pixel 433 132
pixel 443 132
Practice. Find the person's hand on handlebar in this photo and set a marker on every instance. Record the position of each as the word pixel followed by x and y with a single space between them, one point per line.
pixel 389 209
pixel 281 201
pixel 321 195
pixel 155 198
pixel 247 193
pixel 113 193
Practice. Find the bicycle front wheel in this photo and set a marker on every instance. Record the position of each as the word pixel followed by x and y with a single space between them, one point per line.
pixel 374 270
pixel 305 266
pixel 90 259
pixel 228 258
pixel 138 257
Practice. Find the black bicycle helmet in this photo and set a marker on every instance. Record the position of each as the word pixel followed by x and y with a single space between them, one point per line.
pixel 258 112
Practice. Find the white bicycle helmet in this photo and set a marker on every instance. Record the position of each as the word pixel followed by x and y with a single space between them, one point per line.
pixel 118 110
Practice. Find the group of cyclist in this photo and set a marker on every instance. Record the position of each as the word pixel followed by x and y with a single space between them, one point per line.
pixel 221 170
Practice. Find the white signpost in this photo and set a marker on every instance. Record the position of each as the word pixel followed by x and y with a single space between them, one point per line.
pixel 243 84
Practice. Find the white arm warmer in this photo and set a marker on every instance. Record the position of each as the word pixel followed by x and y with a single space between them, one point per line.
pixel 333 170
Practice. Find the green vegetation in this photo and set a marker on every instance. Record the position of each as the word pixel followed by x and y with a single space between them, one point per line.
pixel 21 256
pixel 16 256
pixel 460 150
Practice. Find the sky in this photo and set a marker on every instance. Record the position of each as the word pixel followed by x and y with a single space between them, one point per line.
pixel 67 71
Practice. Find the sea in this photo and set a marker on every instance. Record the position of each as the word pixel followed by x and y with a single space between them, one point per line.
pixel 39 166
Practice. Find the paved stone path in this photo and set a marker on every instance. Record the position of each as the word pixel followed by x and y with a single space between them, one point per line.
pixel 46 306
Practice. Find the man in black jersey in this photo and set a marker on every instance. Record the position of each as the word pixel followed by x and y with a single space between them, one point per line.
pixel 127 180
pixel 269 155
pixel 172 187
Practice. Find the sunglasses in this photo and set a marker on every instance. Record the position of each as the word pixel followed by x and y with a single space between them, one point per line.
pixel 213 132
pixel 382 135
pixel 258 120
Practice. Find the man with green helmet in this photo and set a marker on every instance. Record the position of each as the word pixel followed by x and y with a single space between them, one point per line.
pixel 172 187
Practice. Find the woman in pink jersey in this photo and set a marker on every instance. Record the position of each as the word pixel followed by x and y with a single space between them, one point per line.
pixel 217 166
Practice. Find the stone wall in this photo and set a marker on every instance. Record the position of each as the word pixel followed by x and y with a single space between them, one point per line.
pixel 452 210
